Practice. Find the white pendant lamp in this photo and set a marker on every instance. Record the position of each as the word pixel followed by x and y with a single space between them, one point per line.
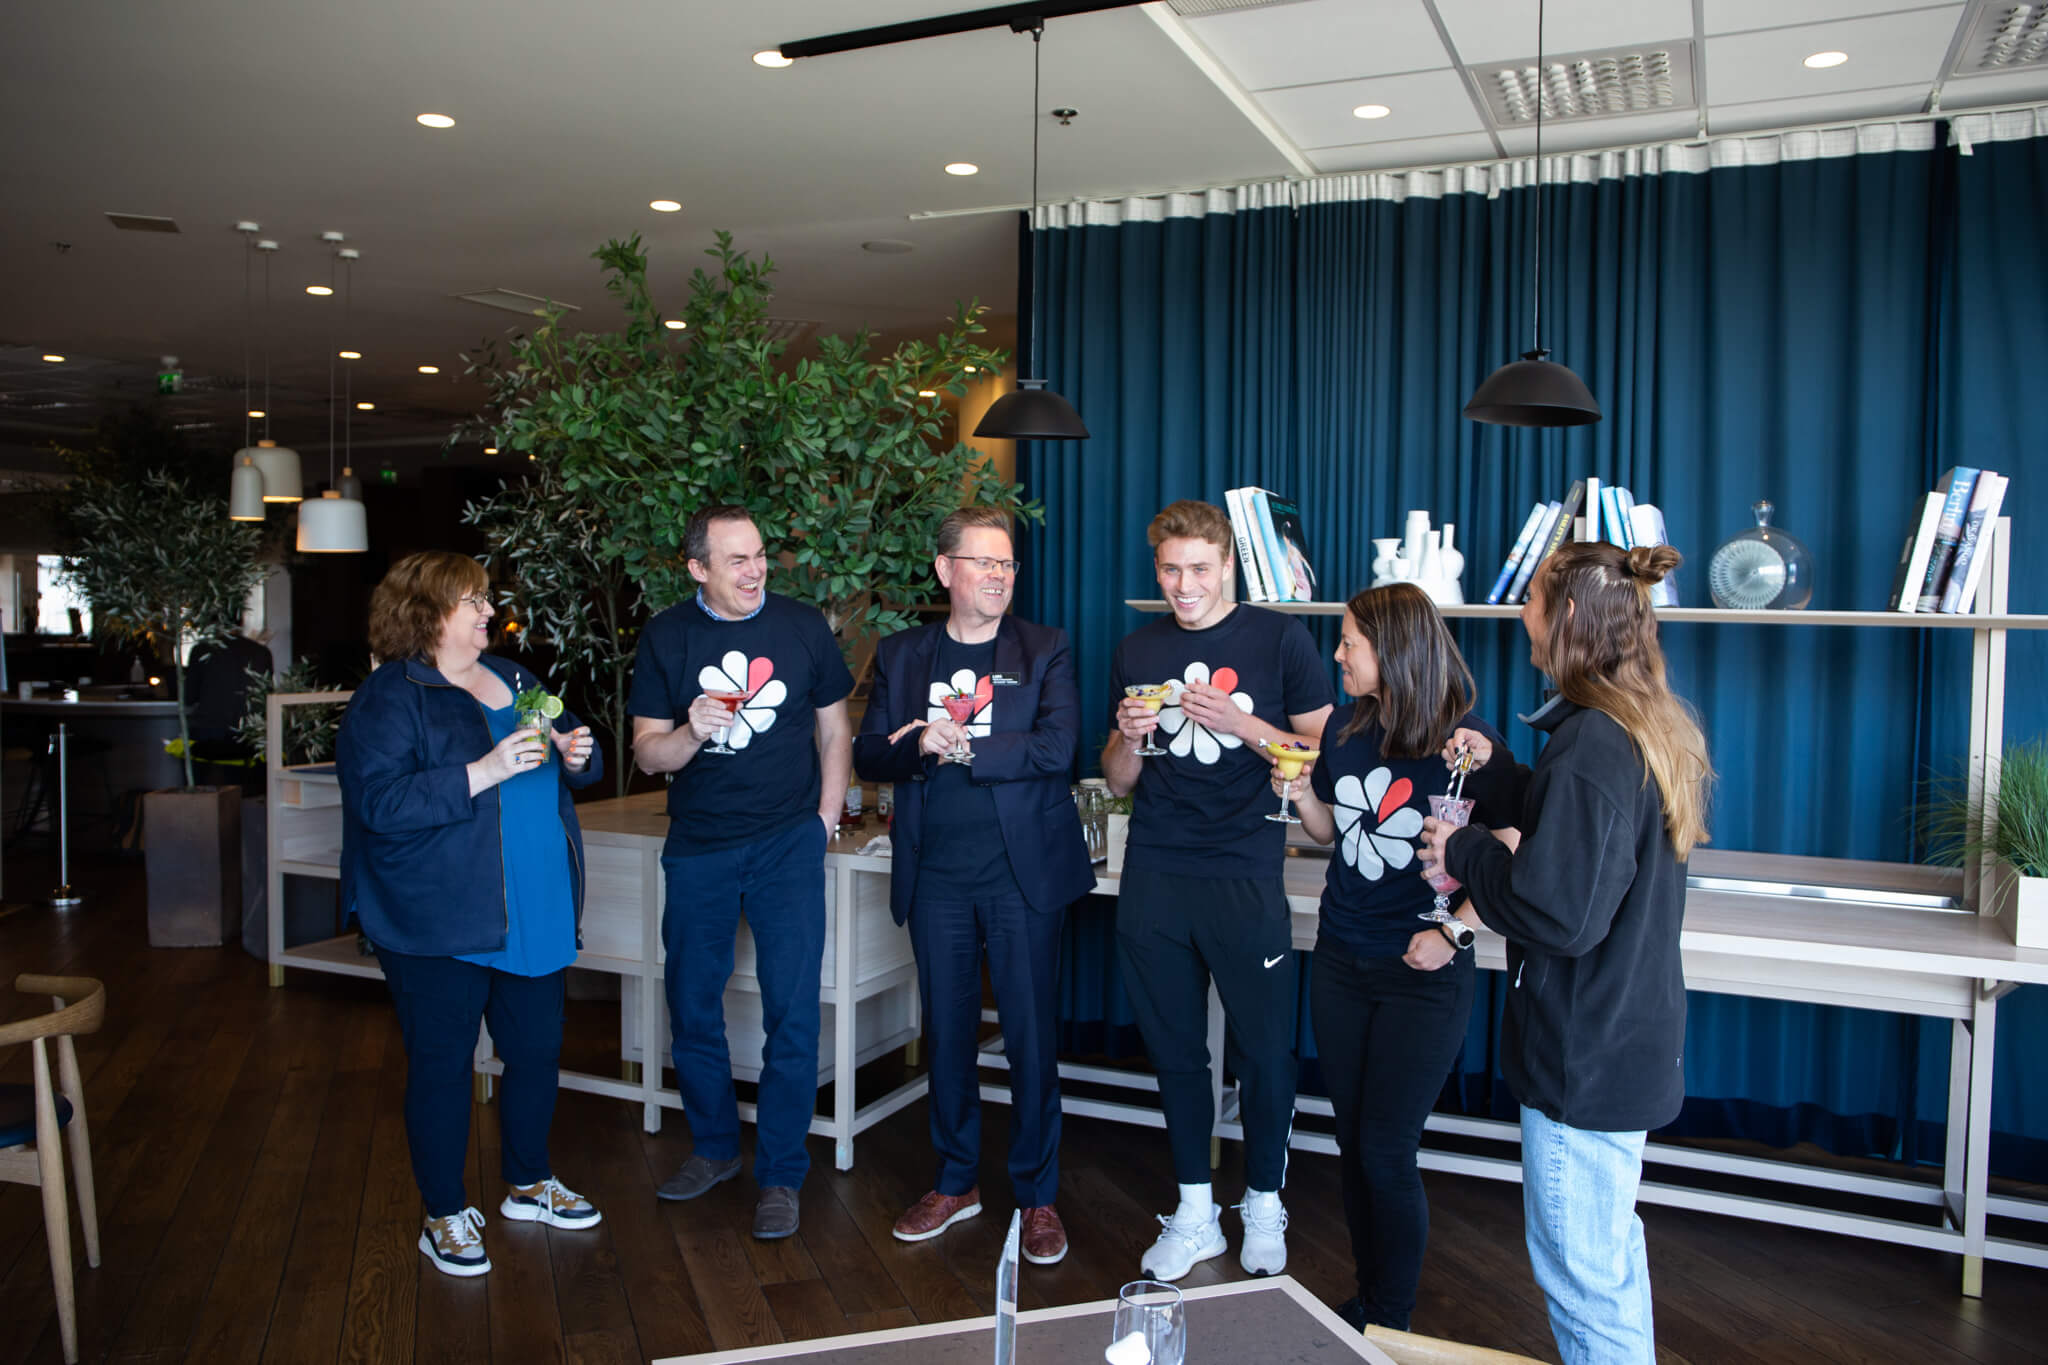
pixel 245 489
pixel 245 485
pixel 279 465
pixel 351 487
pixel 333 523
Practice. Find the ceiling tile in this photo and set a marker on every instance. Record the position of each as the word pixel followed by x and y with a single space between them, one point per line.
pixel 1424 104
pixel 1666 125
pixel 1403 155
pixel 1322 40
pixel 1496 30
pixel 1898 100
pixel 1736 16
pixel 1891 49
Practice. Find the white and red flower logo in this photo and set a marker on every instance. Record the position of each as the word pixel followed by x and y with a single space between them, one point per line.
pixel 980 720
pixel 1377 822
pixel 1191 736
pixel 756 677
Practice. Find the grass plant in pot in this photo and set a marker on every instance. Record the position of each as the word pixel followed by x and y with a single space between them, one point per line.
pixel 2008 833
pixel 164 564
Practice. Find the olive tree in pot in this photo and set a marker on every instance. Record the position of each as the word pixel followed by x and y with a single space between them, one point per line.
pixel 163 564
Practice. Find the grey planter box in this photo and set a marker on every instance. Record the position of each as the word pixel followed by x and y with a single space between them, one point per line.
pixel 193 842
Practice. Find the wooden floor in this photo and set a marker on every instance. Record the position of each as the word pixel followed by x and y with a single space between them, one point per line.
pixel 257 1204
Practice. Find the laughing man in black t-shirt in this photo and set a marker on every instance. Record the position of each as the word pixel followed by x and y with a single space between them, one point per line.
pixel 748 822
pixel 1201 894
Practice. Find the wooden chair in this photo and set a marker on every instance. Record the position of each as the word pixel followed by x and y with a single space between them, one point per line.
pixel 31 1116
pixel 1408 1349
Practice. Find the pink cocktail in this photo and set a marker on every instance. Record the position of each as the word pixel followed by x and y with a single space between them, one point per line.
pixel 731 701
pixel 960 709
pixel 1455 811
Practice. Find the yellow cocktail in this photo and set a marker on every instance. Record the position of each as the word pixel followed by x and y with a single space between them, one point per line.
pixel 1152 696
pixel 1290 758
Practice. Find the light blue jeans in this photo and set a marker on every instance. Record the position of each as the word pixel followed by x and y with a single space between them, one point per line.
pixel 1585 1241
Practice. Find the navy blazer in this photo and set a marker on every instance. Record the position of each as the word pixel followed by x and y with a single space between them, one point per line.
pixel 423 861
pixel 1027 763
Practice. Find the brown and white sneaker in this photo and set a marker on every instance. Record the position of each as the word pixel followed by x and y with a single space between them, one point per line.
pixel 1044 1240
pixel 936 1212
pixel 455 1244
pixel 549 1202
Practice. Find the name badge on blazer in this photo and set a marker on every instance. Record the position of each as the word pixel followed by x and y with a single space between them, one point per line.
pixel 1005 680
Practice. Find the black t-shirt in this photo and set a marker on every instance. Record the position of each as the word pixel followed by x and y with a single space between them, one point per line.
pixel 786 655
pixel 1375 889
pixel 1202 807
pixel 962 855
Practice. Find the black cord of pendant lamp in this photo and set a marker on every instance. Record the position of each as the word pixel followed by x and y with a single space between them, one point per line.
pixel 1535 391
pixel 1032 412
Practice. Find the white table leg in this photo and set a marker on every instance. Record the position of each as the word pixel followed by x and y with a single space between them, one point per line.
pixel 1977 1160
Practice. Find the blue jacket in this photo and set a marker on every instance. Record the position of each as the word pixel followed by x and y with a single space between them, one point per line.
pixel 423 861
pixel 1027 761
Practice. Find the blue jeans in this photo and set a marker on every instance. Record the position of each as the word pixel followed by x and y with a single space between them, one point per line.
pixel 778 883
pixel 1586 1242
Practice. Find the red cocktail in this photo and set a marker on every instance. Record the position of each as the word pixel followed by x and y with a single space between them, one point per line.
pixel 959 709
pixel 731 701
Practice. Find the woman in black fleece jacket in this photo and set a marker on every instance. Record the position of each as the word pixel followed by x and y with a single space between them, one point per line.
pixel 1589 890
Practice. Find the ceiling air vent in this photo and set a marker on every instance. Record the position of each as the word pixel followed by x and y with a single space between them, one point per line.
pixel 512 301
pixel 1202 9
pixel 2003 37
pixel 1588 85
pixel 142 222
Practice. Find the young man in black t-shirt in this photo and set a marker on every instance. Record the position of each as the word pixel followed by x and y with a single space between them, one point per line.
pixel 1201 895
pixel 749 817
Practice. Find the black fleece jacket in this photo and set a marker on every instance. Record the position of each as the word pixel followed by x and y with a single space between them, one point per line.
pixel 1591 906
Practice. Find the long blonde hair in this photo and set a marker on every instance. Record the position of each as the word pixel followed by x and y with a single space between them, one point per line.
pixel 1600 647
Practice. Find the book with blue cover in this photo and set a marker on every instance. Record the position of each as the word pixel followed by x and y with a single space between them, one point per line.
pixel 1956 486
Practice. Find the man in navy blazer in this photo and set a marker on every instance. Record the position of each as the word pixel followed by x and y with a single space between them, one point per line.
pixel 988 853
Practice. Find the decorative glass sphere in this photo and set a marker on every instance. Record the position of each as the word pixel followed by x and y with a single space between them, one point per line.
pixel 1761 569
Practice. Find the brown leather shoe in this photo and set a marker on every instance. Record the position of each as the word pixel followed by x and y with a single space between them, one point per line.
pixel 936 1212
pixel 1045 1237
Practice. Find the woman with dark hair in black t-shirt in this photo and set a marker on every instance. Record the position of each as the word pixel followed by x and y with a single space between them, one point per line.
pixel 1389 992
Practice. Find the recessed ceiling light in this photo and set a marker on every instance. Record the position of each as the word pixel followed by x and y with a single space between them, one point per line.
pixel 962 168
pixel 366 407
pixel 350 355
pixel 256 412
pixel 54 359
pixel 772 59
pixel 436 120
pixel 430 369
pixel 318 291
pixel 674 324
pixel 490 450
pixel 1821 61
pixel 1371 111
pixel 927 393
pixel 665 206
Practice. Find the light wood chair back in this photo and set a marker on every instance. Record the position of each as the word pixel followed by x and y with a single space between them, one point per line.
pixel 79 1005
pixel 1408 1349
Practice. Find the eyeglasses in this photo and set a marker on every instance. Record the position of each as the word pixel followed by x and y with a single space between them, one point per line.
pixel 475 599
pixel 987 565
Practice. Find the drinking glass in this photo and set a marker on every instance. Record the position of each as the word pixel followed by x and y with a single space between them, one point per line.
pixel 1154 696
pixel 1455 811
pixel 731 701
pixel 1290 762
pixel 959 709
pixel 1153 1313
pixel 542 724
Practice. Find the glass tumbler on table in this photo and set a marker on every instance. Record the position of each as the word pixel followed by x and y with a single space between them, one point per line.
pixel 1151 1326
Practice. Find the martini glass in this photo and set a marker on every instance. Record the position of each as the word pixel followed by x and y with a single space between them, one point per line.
pixel 1289 759
pixel 959 709
pixel 1154 696
pixel 731 701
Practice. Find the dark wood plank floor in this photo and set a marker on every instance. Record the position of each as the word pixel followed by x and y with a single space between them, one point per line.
pixel 257 1205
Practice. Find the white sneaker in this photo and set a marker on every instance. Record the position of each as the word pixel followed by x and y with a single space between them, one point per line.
pixel 1265 1233
pixel 454 1245
pixel 1184 1243
pixel 550 1202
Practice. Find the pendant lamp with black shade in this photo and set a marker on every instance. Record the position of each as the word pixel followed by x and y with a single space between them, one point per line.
pixel 1535 391
pixel 1032 412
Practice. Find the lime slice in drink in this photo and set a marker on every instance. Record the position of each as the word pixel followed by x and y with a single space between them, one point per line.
pixel 551 708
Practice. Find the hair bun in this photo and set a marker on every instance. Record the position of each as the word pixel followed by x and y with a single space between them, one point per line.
pixel 1650 563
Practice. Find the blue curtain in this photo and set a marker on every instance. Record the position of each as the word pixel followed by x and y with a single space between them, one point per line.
pixel 1828 334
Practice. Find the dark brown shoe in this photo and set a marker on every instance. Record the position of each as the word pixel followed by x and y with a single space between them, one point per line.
pixel 1045 1237
pixel 936 1212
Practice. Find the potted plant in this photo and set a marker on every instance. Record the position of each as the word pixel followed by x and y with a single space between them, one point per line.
pixel 163 564
pixel 2006 834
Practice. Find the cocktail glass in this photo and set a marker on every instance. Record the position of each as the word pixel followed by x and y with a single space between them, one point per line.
pixel 731 701
pixel 1455 811
pixel 1154 696
pixel 959 709
pixel 1289 760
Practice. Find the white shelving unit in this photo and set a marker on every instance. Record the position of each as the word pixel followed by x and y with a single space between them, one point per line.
pixel 1818 930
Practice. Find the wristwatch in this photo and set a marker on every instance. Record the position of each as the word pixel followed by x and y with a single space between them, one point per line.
pixel 1457 931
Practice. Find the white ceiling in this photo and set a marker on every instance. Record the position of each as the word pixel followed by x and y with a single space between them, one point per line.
pixel 570 119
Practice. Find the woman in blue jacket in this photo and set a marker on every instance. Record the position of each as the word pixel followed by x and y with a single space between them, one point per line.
pixel 1390 993
pixel 462 857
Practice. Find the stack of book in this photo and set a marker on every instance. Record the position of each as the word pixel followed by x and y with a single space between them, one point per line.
pixel 1589 511
pixel 1271 548
pixel 1948 542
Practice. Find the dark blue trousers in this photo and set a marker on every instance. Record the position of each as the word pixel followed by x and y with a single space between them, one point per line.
pixel 440 1000
pixel 778 883
pixel 1023 947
